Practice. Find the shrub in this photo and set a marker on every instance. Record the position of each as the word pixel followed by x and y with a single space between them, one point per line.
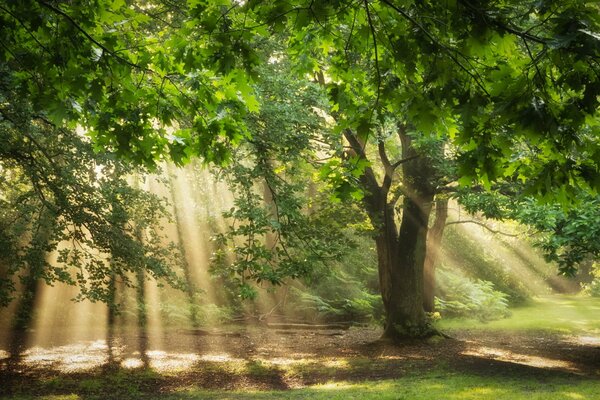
pixel 593 288
pixel 464 297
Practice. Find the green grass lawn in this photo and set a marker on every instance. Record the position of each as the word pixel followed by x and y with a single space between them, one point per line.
pixel 430 386
pixel 559 314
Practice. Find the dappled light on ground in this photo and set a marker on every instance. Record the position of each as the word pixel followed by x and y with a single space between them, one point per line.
pixel 69 358
pixel 246 362
pixel 585 340
pixel 517 358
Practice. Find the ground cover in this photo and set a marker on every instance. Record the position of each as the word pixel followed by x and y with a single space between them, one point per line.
pixel 549 349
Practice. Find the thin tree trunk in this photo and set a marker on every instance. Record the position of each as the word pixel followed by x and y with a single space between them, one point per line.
pixel 434 241
pixel 190 286
pixel 36 263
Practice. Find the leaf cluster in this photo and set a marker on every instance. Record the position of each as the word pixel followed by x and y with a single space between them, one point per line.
pixel 68 214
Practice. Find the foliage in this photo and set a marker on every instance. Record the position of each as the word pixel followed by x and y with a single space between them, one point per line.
pixel 365 307
pixel 593 288
pixel 513 85
pixel 463 297
pixel 478 263
pixel 279 225
pixel 567 236
pixel 144 79
pixel 57 196
pixel 178 313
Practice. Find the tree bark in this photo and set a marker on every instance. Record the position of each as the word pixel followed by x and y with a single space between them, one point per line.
pixel 400 253
pixel 401 273
pixel 434 241
pixel 406 317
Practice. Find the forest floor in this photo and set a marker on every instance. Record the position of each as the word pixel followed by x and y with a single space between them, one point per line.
pixel 239 360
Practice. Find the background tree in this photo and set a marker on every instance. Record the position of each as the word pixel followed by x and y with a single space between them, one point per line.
pixel 58 195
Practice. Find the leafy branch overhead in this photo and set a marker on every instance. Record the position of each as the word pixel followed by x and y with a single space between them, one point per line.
pixel 57 197
pixel 513 85
pixel 143 79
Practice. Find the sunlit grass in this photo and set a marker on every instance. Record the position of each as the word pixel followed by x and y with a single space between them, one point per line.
pixel 560 314
pixel 424 387
pixel 433 385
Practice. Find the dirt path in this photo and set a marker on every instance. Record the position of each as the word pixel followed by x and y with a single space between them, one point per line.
pixel 238 357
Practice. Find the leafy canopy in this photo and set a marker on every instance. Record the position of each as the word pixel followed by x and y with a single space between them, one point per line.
pixel 513 84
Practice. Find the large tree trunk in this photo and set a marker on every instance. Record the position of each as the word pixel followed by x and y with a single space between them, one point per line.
pixel 434 242
pixel 403 293
pixel 401 253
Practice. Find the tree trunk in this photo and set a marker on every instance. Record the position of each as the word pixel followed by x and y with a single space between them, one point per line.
pixel 434 241
pixel 405 316
pixel 400 253
pixel 187 273
pixel 36 263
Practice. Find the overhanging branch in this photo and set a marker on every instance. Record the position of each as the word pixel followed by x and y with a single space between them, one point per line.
pixel 472 221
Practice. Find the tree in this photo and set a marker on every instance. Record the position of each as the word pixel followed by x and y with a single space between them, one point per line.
pixel 495 79
pixel 58 195
pixel 272 236
pixel 512 86
pixel 566 236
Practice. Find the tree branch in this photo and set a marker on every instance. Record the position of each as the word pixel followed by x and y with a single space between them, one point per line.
pixel 402 161
pixel 436 42
pixel 471 221
pixel 522 34
pixel 370 21
pixel 63 14
pixel 368 179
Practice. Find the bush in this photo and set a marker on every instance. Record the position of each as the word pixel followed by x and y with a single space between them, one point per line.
pixel 464 297
pixel 359 306
pixel 593 288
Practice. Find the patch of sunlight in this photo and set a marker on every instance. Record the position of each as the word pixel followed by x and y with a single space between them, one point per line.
pixel 435 386
pixel 573 395
pixel 224 357
pixel 98 345
pixel 585 340
pixel 279 361
pixel 60 397
pixel 70 358
pixel 336 363
pixel 327 363
pixel 4 354
pixel 516 358
pixel 132 363
pixel 391 358
pixel 303 355
pixel 163 361
pixel 334 386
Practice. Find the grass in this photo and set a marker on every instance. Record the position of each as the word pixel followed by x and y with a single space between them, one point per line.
pixel 431 386
pixel 560 314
